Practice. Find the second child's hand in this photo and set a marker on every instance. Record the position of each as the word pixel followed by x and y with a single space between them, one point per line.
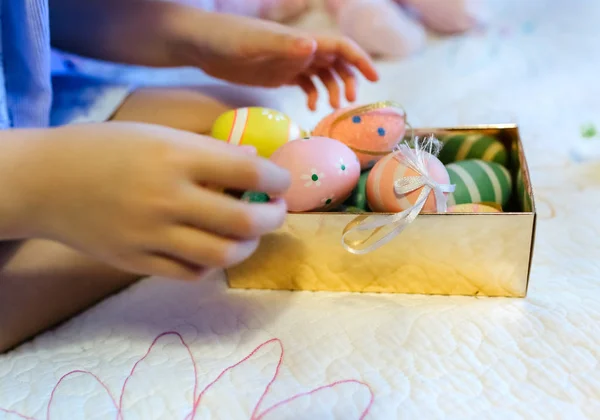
pixel 231 48
pixel 260 53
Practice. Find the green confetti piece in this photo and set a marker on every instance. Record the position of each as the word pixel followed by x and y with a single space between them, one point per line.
pixel 588 131
pixel 255 197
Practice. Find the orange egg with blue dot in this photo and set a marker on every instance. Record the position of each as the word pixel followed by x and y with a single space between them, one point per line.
pixel 371 132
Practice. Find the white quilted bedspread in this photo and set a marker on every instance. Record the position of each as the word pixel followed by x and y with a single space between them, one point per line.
pixel 278 355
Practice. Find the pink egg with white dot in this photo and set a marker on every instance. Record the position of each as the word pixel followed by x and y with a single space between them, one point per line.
pixel 371 134
pixel 381 194
pixel 324 172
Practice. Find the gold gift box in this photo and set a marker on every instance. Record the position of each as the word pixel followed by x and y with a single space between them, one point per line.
pixel 476 254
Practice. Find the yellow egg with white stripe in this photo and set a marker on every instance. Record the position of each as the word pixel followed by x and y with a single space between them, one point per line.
pixel 477 181
pixel 263 128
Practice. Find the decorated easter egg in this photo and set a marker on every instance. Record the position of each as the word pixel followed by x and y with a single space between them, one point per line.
pixel 255 197
pixel 324 172
pixel 348 209
pixel 357 210
pixel 472 146
pixel 358 198
pixel 370 132
pixel 477 181
pixel 522 194
pixel 263 128
pixel 474 208
pixel 381 195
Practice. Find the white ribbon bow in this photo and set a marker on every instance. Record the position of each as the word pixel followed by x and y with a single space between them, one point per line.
pixel 416 160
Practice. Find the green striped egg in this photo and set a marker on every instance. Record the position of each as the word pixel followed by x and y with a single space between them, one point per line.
pixel 472 146
pixel 524 198
pixel 478 181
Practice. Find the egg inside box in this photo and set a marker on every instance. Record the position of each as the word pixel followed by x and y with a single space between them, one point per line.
pixel 484 254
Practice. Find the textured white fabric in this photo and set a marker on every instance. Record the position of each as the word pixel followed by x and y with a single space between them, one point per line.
pixel 422 357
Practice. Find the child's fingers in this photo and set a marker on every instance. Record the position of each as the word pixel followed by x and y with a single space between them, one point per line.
pixel 331 84
pixel 229 217
pixel 309 87
pixel 204 249
pixel 250 150
pixel 238 171
pixel 268 39
pixel 156 264
pixel 350 52
pixel 324 60
pixel 348 78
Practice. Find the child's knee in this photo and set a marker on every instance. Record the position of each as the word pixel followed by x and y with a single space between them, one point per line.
pixel 184 109
pixel 192 109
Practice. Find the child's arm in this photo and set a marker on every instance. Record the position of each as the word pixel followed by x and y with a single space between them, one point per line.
pixel 232 48
pixel 138 32
pixel 43 283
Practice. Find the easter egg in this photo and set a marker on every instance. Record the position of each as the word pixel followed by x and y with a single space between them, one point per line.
pixel 263 128
pixel 472 146
pixel 348 209
pixel 255 197
pixel 523 195
pixel 358 198
pixel 370 134
pixel 324 172
pixel 477 181
pixel 355 210
pixel 473 208
pixel 381 195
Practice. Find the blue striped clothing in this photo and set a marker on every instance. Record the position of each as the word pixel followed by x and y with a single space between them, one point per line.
pixel 30 94
pixel 26 93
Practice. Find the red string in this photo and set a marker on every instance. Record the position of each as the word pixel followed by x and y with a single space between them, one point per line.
pixel 197 398
pixel 73 372
pixel 23 416
pixel 189 351
pixel 331 385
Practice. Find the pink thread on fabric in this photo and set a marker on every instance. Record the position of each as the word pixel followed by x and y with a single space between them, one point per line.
pixel 197 397
pixel 23 416
pixel 187 348
pixel 73 372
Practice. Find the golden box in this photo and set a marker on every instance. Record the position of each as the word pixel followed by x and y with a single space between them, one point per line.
pixel 477 254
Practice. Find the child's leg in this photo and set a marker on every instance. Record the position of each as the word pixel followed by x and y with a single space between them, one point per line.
pixel 43 283
pixel 191 109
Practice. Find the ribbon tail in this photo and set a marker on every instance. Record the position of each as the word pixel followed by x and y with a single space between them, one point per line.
pixel 441 201
pixel 400 220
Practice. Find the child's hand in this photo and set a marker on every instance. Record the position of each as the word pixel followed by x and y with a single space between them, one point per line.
pixel 233 48
pixel 129 195
pixel 254 52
